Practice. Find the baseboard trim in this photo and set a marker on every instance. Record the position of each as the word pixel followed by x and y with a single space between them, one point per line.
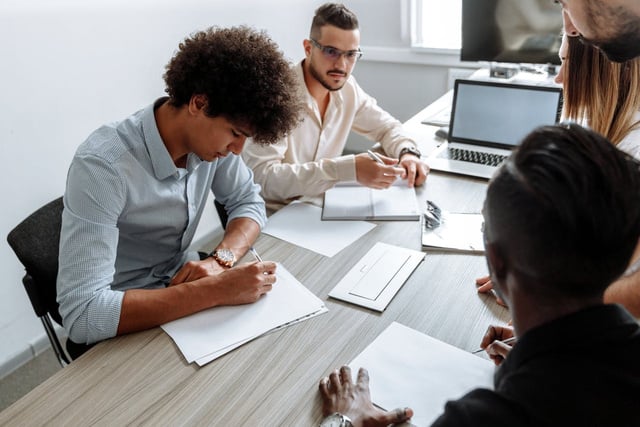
pixel 31 350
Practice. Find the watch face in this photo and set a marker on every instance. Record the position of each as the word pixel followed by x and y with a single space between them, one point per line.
pixel 225 257
pixel 333 420
pixel 336 420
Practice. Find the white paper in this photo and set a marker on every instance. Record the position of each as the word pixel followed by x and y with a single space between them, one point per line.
pixel 210 357
pixel 458 231
pixel 410 369
pixel 356 202
pixel 375 279
pixel 225 328
pixel 300 224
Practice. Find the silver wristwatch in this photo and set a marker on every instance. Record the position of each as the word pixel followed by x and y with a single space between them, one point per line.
pixel 336 420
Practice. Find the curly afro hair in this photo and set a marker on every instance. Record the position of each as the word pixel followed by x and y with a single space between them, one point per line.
pixel 244 76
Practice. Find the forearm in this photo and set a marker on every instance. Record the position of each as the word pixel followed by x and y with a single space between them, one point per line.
pixel 240 235
pixel 625 291
pixel 146 308
pixel 282 182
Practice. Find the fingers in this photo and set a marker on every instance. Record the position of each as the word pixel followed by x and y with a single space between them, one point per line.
pixel 498 351
pixel 338 380
pixel 399 415
pixel 411 175
pixel 486 287
pixel 482 280
pixel 363 377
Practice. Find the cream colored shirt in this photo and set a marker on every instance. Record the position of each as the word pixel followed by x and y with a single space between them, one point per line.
pixel 630 144
pixel 309 160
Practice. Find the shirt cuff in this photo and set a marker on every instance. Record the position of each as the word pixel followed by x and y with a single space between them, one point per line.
pixel 346 167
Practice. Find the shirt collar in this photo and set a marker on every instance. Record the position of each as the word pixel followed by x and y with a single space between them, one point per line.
pixel 161 161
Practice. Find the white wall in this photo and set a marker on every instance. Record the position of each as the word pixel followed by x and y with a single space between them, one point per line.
pixel 68 66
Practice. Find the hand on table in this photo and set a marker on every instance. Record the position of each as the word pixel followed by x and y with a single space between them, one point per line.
pixel 485 286
pixel 415 169
pixel 340 394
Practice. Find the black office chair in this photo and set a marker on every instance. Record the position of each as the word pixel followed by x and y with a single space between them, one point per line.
pixel 222 213
pixel 35 242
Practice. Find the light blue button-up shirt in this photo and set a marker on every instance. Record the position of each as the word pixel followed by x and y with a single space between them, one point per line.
pixel 130 215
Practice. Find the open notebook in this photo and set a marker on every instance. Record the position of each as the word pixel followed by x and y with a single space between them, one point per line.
pixel 352 201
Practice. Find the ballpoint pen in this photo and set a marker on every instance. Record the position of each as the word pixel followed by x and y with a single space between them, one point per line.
pixel 255 254
pixel 375 157
pixel 507 341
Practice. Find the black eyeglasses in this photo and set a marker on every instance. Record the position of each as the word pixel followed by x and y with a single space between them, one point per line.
pixel 333 54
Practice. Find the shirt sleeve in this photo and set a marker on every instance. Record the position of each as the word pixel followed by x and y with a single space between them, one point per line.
pixel 283 181
pixel 93 201
pixel 376 124
pixel 233 186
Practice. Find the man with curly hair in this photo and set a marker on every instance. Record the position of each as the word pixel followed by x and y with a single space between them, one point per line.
pixel 309 160
pixel 136 190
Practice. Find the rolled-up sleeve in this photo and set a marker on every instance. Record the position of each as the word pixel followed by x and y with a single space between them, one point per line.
pixel 233 186
pixel 90 309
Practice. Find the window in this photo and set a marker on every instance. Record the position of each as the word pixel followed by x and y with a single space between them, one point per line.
pixel 436 24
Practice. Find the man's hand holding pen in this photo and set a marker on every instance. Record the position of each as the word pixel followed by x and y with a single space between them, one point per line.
pixel 497 342
pixel 377 172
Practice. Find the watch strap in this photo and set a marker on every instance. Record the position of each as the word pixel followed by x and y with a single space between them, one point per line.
pixel 409 150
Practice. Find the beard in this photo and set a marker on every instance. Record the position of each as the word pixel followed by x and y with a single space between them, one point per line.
pixel 324 80
pixel 622 48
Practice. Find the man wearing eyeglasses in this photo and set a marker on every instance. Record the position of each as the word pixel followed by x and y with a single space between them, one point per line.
pixel 309 160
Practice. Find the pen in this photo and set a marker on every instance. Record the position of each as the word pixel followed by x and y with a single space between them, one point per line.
pixel 255 254
pixel 375 157
pixel 507 341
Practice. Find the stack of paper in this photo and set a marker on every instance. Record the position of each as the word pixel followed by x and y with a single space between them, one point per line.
pixel 410 369
pixel 207 335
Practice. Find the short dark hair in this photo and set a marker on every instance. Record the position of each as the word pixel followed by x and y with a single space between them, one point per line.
pixel 564 211
pixel 244 76
pixel 335 14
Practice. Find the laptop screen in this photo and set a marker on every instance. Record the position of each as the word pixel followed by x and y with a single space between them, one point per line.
pixel 499 114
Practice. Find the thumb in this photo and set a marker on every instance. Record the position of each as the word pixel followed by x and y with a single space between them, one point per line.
pixel 397 416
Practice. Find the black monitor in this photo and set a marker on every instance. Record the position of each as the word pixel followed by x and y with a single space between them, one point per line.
pixel 512 31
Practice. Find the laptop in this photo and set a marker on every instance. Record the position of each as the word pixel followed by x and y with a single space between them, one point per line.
pixel 488 120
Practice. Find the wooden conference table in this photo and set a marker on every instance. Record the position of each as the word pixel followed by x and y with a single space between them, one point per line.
pixel 143 379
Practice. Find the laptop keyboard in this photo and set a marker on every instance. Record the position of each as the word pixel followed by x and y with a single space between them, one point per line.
pixel 472 156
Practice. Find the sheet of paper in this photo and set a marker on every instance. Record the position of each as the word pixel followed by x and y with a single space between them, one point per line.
pixel 219 328
pixel 300 224
pixel 458 231
pixel 356 202
pixel 210 357
pixel 377 276
pixel 409 368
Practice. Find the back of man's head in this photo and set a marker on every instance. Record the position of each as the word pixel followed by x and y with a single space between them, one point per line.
pixel 335 14
pixel 564 212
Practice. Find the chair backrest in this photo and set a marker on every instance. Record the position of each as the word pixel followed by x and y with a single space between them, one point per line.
pixel 222 213
pixel 35 241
